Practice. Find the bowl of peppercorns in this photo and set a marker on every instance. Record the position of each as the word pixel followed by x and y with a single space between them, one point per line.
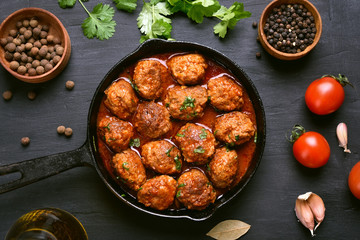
pixel 34 45
pixel 289 29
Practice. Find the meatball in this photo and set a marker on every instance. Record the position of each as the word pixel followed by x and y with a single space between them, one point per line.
pixel 194 190
pixel 234 128
pixel 225 94
pixel 196 143
pixel 223 167
pixel 162 157
pixel 115 132
pixel 121 99
pixel 188 69
pixel 158 192
pixel 152 119
pixel 148 75
pixel 186 103
pixel 130 169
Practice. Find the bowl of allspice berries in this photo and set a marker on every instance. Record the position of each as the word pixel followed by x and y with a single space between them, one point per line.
pixel 289 29
pixel 34 45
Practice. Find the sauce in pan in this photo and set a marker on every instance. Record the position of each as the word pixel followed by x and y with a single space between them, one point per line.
pixel 245 151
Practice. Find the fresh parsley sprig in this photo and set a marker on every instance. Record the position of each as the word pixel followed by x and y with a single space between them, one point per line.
pixel 100 23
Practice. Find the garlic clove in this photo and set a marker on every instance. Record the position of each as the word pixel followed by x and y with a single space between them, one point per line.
pixel 341 132
pixel 317 207
pixel 304 214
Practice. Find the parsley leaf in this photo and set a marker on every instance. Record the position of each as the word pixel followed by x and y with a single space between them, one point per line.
pixel 99 24
pixel 229 18
pixel 134 142
pixel 199 149
pixel 152 20
pixel 126 5
pixel 66 3
pixel 177 163
pixel 188 102
pixel 203 134
pixel 195 10
pixel 124 166
pixel 168 151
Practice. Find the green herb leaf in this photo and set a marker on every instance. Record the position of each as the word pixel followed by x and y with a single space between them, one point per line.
pixel 126 5
pixel 124 166
pixel 180 135
pixel 107 126
pixel 168 151
pixel 177 163
pixel 237 137
pixel 66 3
pixel 229 18
pixel 99 24
pixel 152 20
pixel 188 102
pixel 134 142
pixel 182 185
pixel 178 194
pixel 195 10
pixel 199 149
pixel 203 133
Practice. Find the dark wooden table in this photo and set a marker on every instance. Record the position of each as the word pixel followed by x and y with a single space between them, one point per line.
pixel 267 202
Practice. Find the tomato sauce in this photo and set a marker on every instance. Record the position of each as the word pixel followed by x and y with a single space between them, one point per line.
pixel 245 151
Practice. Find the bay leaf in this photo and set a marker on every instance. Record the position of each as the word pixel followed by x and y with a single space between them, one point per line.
pixel 229 230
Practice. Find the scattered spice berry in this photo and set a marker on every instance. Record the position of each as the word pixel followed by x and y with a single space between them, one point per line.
pixel 60 130
pixel 31 95
pixel 290 28
pixel 69 85
pixel 68 132
pixel 25 141
pixel 258 55
pixel 7 95
pixel 254 24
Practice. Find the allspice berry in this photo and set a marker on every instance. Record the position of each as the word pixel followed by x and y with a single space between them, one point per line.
pixel 31 95
pixel 69 85
pixel 68 132
pixel 7 95
pixel 60 129
pixel 25 141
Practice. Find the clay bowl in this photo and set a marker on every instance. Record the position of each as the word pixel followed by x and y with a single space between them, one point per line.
pixel 55 28
pixel 276 53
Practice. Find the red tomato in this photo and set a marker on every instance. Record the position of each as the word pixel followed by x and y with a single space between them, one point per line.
pixel 354 180
pixel 324 95
pixel 312 150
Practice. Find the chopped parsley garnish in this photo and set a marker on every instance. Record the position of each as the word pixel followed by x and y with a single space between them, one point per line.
pixel 180 135
pixel 182 185
pixel 107 126
pixel 168 151
pixel 188 102
pixel 237 137
pixel 199 149
pixel 178 194
pixel 215 132
pixel 203 134
pixel 124 166
pixel 134 142
pixel 177 163
pixel 167 104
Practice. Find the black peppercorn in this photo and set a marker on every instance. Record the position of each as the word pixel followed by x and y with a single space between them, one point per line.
pixel 290 28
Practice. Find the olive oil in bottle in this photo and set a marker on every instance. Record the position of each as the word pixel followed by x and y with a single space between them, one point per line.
pixel 47 224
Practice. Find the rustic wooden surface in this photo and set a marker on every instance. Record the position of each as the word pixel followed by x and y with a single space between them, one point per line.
pixel 267 202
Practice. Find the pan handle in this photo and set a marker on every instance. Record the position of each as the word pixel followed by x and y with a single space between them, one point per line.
pixel 39 168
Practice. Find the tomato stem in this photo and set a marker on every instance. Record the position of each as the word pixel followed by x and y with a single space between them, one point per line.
pixel 342 79
pixel 296 131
